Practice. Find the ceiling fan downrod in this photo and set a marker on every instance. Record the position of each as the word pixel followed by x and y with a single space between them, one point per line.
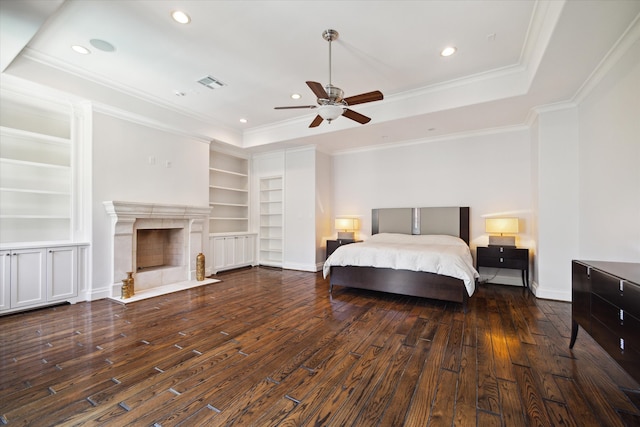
pixel 330 35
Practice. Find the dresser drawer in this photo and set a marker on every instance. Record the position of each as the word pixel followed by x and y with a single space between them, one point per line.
pixel 621 293
pixel 618 321
pixel 627 357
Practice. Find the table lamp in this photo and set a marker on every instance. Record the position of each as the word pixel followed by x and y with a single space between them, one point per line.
pixel 501 226
pixel 347 227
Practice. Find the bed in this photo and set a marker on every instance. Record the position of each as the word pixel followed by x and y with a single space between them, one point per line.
pixel 445 229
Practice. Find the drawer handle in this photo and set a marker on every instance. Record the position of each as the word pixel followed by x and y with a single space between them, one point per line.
pixel 501 249
pixel 622 317
pixel 501 259
pixel 621 285
pixel 622 344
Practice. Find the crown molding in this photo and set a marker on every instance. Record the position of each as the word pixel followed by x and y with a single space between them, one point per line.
pixel 448 137
pixel 146 121
pixel 617 51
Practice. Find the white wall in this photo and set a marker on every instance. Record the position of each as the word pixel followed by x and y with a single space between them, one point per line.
pixel 299 212
pixel 324 205
pixel 557 202
pixel 121 171
pixel 489 172
pixel 610 164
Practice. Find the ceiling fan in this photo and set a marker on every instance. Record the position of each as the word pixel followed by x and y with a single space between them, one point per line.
pixel 331 103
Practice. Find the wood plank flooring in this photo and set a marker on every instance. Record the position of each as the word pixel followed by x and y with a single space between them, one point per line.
pixel 266 347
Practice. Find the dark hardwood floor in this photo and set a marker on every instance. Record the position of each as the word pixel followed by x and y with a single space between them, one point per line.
pixel 268 347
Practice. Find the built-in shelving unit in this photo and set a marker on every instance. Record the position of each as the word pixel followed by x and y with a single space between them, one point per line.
pixel 228 193
pixel 35 172
pixel 271 221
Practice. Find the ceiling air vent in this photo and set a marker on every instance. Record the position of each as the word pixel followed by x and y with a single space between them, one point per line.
pixel 211 83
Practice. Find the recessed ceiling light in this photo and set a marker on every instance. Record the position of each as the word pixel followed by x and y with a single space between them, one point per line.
pixel 180 17
pixel 179 93
pixel 104 46
pixel 448 51
pixel 80 49
pixel 295 96
pixel 243 120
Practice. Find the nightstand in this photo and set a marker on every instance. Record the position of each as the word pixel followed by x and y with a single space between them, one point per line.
pixel 504 257
pixel 332 245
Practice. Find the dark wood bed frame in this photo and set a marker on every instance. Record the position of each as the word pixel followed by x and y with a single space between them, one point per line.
pixel 405 282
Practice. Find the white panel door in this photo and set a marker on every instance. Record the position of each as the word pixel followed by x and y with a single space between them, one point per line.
pixel 28 277
pixel 62 273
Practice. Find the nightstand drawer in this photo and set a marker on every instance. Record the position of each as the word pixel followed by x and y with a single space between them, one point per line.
pixel 503 252
pixel 503 257
pixel 502 262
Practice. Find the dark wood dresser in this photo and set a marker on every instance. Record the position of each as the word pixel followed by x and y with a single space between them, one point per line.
pixel 606 303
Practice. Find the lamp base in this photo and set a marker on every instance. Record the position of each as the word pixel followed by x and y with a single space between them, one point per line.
pixel 346 235
pixel 502 241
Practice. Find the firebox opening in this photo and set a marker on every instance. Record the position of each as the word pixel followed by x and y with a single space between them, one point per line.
pixel 157 248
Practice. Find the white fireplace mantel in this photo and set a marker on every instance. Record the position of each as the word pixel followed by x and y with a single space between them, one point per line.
pixel 128 210
pixel 128 217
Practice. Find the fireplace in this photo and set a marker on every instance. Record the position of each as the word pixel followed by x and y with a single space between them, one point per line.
pixel 159 243
pixel 159 248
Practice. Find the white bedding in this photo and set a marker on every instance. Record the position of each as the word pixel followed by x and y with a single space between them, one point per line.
pixel 440 254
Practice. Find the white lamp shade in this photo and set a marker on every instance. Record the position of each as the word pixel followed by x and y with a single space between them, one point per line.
pixel 347 224
pixel 501 225
pixel 330 112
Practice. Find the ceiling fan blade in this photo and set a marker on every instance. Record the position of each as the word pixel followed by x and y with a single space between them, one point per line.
pixel 318 90
pixel 295 106
pixel 350 114
pixel 316 122
pixel 376 95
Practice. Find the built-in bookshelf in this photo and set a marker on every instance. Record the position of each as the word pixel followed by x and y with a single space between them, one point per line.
pixel 271 221
pixel 35 171
pixel 228 193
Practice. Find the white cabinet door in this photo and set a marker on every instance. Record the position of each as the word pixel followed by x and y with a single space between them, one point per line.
pixel 28 277
pixel 238 250
pixel 5 280
pixel 217 250
pixel 250 249
pixel 229 251
pixel 62 273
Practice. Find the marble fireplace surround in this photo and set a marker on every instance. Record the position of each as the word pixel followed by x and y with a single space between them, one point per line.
pixel 128 217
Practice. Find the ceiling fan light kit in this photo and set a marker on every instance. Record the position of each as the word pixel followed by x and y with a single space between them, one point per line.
pixel 330 98
pixel 330 112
